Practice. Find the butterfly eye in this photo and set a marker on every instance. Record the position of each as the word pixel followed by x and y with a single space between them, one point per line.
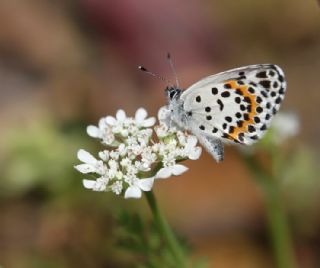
pixel 172 92
pixel 171 95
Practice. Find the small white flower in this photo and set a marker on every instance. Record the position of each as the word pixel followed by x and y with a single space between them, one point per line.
pixel 141 120
pixel 135 190
pixel 192 151
pixel 125 162
pixel 104 155
pixel 98 132
pixel 117 187
pixel 122 149
pixel 91 164
pixel 98 185
pixel 114 154
pixel 148 156
pixel 133 129
pixel 143 166
pixel 170 167
pixel 161 130
pixel 167 172
pixel 108 137
pixel 113 164
pixel 132 170
pixel 103 132
pixel 113 168
pixel 144 136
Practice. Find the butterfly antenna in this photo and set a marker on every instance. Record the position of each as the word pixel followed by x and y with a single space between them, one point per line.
pixel 173 69
pixel 142 68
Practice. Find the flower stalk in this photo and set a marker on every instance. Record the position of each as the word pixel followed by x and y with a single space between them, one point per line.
pixel 166 231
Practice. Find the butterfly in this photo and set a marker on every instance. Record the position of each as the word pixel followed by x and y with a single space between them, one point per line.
pixel 234 106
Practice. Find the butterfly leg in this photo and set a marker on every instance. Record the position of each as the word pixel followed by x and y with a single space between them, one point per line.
pixel 213 146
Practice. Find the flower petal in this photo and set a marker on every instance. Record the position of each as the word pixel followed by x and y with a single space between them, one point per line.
pixel 85 168
pixel 195 153
pixel 93 131
pixel 149 122
pixel 132 192
pixel 103 123
pixel 121 115
pixel 110 120
pixel 146 184
pixel 163 173
pixel 104 155
pixel 140 115
pixel 163 113
pixel 192 141
pixel 86 157
pixel 178 169
pixel 89 184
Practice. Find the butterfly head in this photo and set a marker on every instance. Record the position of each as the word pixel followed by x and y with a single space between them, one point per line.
pixel 172 92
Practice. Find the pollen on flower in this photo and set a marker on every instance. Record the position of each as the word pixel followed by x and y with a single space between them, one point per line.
pixel 132 157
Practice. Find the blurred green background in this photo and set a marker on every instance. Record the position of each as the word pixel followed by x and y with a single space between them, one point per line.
pixel 66 63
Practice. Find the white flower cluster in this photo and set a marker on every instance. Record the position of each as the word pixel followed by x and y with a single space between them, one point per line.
pixel 132 159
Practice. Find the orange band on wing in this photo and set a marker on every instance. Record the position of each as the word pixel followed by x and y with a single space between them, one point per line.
pixel 243 90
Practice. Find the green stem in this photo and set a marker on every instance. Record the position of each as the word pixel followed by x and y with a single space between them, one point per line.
pixel 166 231
pixel 276 216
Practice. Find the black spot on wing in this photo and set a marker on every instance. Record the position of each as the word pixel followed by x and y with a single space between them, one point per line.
pixel 220 104
pixel 225 94
pixel 262 74
pixel 214 91
pixel 228 119
pixel 264 127
pixel 265 83
pixel 238 115
pixel 278 100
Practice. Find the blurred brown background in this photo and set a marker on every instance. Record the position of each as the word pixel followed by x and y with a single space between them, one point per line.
pixel 64 64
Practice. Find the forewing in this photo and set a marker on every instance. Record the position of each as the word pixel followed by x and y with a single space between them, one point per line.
pixel 235 105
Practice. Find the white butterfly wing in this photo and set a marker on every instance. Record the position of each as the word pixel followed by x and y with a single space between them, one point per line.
pixel 236 105
pixel 233 74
